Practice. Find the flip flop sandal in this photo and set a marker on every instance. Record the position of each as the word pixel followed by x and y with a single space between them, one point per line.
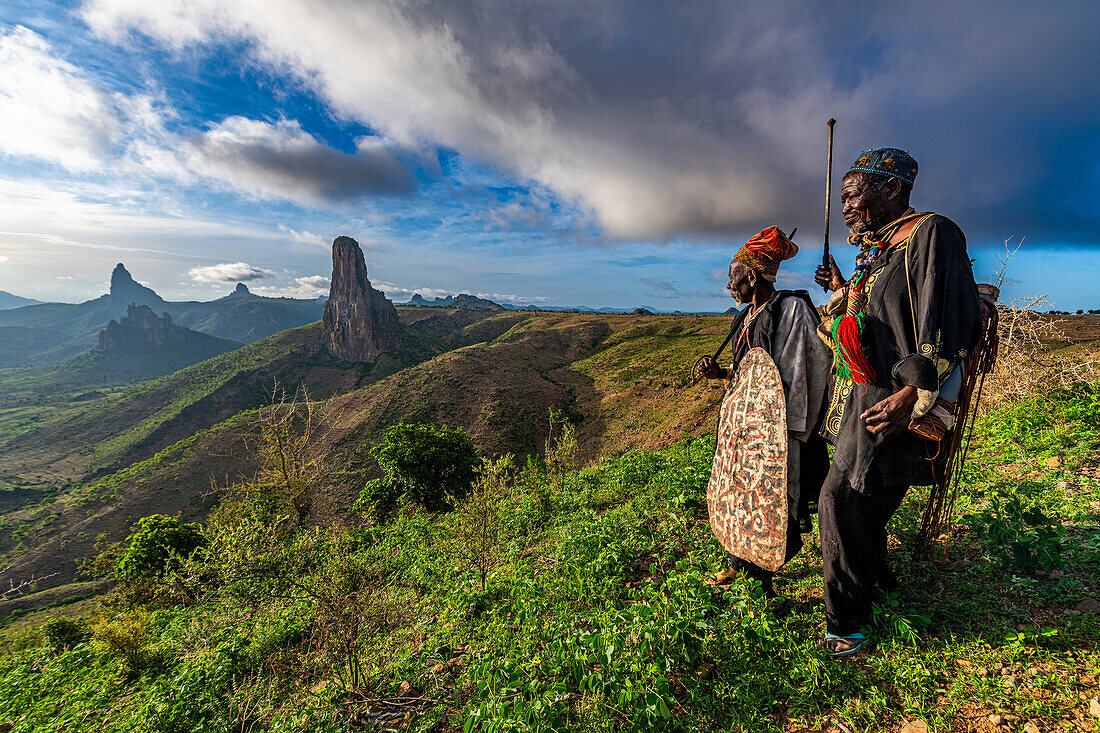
pixel 844 646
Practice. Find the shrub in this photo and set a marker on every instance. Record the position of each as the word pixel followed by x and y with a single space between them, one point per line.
pixel 130 637
pixel 379 497
pixel 428 462
pixel 65 633
pixel 158 544
pixel 477 524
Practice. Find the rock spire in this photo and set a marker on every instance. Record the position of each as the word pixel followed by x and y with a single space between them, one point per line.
pixel 359 322
pixel 125 290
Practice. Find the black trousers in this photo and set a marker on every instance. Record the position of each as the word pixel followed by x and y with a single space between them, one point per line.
pixel 853 548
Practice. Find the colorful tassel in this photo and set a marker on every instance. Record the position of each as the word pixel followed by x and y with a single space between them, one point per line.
pixel 851 364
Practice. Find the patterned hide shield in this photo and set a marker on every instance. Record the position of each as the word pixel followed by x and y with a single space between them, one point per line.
pixel 747 493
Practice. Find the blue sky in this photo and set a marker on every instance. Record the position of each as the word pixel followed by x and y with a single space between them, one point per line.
pixel 604 154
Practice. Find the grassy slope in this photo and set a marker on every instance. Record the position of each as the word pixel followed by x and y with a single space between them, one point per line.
pixel 173 438
pixel 82 377
pixel 596 618
pixel 58 447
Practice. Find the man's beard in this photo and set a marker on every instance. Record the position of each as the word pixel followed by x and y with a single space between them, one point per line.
pixel 871 224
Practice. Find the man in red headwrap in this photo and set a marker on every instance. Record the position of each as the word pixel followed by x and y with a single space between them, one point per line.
pixel 783 323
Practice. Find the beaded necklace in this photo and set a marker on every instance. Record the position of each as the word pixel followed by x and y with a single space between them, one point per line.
pixel 851 363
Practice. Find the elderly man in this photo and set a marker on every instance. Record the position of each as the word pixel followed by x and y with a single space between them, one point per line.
pixel 900 328
pixel 783 323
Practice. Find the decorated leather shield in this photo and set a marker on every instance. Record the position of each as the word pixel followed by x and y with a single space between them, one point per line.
pixel 747 493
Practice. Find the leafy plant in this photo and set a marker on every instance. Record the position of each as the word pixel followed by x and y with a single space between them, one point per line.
pixel 432 463
pixel 379 497
pixel 65 633
pixel 477 523
pixel 160 543
pixel 1020 536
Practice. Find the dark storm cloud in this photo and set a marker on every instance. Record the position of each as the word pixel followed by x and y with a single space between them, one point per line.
pixel 282 159
pixel 699 118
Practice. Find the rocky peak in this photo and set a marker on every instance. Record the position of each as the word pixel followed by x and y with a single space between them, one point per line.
pixel 465 300
pixel 241 290
pixel 140 326
pixel 359 322
pixel 125 290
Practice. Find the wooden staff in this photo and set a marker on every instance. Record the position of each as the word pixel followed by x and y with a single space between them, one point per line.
pixel 828 193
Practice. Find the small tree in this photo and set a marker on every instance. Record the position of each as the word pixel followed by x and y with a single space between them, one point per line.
pixel 292 430
pixel 159 544
pixel 561 448
pixel 432 464
pixel 477 517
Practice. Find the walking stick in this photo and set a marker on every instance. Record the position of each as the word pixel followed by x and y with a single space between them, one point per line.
pixel 828 194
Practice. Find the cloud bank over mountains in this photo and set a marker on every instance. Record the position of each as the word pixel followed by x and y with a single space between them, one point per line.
pixel 596 153
pixel 665 119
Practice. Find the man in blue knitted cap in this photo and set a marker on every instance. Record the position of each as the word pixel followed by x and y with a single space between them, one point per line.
pixel 899 327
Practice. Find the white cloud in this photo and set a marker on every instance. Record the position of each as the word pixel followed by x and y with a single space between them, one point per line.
pixel 3 258
pixel 505 298
pixel 48 107
pixel 228 272
pixel 304 237
pixel 399 294
pixel 310 286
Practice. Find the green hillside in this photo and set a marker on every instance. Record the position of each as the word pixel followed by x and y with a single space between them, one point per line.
pixel 594 613
pixel 174 436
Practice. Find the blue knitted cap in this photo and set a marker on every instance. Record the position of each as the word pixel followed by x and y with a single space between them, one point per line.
pixel 890 162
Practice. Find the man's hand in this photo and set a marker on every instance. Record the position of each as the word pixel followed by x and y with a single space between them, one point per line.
pixel 829 277
pixel 708 369
pixel 891 415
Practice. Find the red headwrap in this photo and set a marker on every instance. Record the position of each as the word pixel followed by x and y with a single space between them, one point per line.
pixel 765 251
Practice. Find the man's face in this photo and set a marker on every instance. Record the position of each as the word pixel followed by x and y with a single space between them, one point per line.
pixel 741 284
pixel 864 207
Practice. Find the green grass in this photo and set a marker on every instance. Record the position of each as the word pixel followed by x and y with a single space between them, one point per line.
pixel 596 616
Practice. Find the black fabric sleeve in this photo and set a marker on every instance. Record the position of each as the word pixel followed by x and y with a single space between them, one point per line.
pixel 943 301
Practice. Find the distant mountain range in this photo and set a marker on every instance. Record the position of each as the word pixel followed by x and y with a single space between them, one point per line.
pixel 7 300
pixel 46 333
pixel 465 300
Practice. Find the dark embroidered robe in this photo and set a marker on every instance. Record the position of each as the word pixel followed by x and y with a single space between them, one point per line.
pixel 922 318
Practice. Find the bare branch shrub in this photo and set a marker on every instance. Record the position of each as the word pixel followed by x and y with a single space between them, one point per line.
pixel 1029 361
pixel 351 603
pixel 292 432
pixel 477 527
pixel 23 587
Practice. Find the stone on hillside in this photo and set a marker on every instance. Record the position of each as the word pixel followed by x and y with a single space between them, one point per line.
pixel 1094 707
pixel 1087 605
pixel 914 726
pixel 997 720
pixel 465 300
pixel 359 322
pixel 1030 727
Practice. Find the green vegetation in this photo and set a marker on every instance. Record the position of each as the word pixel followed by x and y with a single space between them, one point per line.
pixel 555 598
pixel 538 594
pixel 158 545
pixel 432 464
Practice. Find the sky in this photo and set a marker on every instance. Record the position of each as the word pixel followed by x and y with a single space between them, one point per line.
pixel 558 153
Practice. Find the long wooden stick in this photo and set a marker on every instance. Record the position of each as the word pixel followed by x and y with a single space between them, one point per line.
pixel 828 191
